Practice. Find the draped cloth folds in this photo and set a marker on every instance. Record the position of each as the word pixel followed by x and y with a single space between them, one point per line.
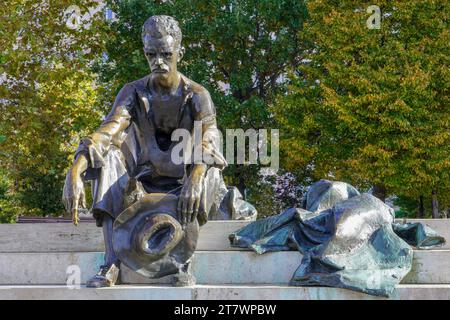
pixel 348 240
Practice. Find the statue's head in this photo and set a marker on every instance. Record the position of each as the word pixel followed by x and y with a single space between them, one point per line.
pixel 161 37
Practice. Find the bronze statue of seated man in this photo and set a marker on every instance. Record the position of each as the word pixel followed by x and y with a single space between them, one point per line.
pixel 149 206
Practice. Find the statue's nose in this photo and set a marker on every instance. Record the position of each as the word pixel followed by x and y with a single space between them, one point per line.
pixel 159 61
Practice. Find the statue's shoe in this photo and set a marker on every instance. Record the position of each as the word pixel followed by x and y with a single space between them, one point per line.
pixel 183 279
pixel 106 277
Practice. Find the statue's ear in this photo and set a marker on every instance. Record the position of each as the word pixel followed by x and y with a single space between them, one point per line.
pixel 180 53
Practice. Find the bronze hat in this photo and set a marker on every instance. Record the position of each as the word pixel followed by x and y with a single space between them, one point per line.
pixel 148 238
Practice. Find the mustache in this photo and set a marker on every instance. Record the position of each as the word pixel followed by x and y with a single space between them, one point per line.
pixel 160 68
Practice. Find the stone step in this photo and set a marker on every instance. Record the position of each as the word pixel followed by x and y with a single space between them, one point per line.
pixel 213 292
pixel 65 237
pixel 86 237
pixel 209 267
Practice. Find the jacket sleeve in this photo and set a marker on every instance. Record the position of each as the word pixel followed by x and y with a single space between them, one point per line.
pixel 211 138
pixel 96 145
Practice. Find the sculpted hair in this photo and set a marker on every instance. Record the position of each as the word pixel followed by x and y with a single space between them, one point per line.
pixel 160 26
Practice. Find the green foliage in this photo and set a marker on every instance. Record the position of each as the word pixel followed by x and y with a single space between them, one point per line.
pixel 408 208
pixel 371 106
pixel 49 99
pixel 364 106
pixel 8 210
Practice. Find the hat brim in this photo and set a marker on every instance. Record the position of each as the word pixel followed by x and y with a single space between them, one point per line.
pixel 148 238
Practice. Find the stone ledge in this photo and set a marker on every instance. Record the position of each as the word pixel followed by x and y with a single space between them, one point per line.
pixel 223 292
pixel 64 237
pixel 209 267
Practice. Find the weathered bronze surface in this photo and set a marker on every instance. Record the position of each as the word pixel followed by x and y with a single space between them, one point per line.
pixel 348 240
pixel 129 160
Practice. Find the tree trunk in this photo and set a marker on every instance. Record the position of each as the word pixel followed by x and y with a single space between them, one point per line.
pixel 421 214
pixel 379 191
pixel 434 204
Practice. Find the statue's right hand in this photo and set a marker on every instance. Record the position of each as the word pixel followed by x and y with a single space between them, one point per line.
pixel 73 194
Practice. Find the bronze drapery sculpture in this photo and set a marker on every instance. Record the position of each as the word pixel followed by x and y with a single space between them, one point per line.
pixel 348 240
pixel 150 208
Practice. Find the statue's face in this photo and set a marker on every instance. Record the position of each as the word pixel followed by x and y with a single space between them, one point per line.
pixel 162 55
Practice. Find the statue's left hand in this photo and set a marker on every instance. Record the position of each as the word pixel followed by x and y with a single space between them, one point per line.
pixel 190 197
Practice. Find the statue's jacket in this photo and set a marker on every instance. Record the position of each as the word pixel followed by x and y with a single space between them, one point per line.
pixel 130 154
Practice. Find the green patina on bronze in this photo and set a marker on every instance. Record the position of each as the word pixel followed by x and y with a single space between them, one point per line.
pixel 348 240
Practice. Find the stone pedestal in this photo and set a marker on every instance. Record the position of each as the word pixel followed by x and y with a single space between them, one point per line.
pixel 34 261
